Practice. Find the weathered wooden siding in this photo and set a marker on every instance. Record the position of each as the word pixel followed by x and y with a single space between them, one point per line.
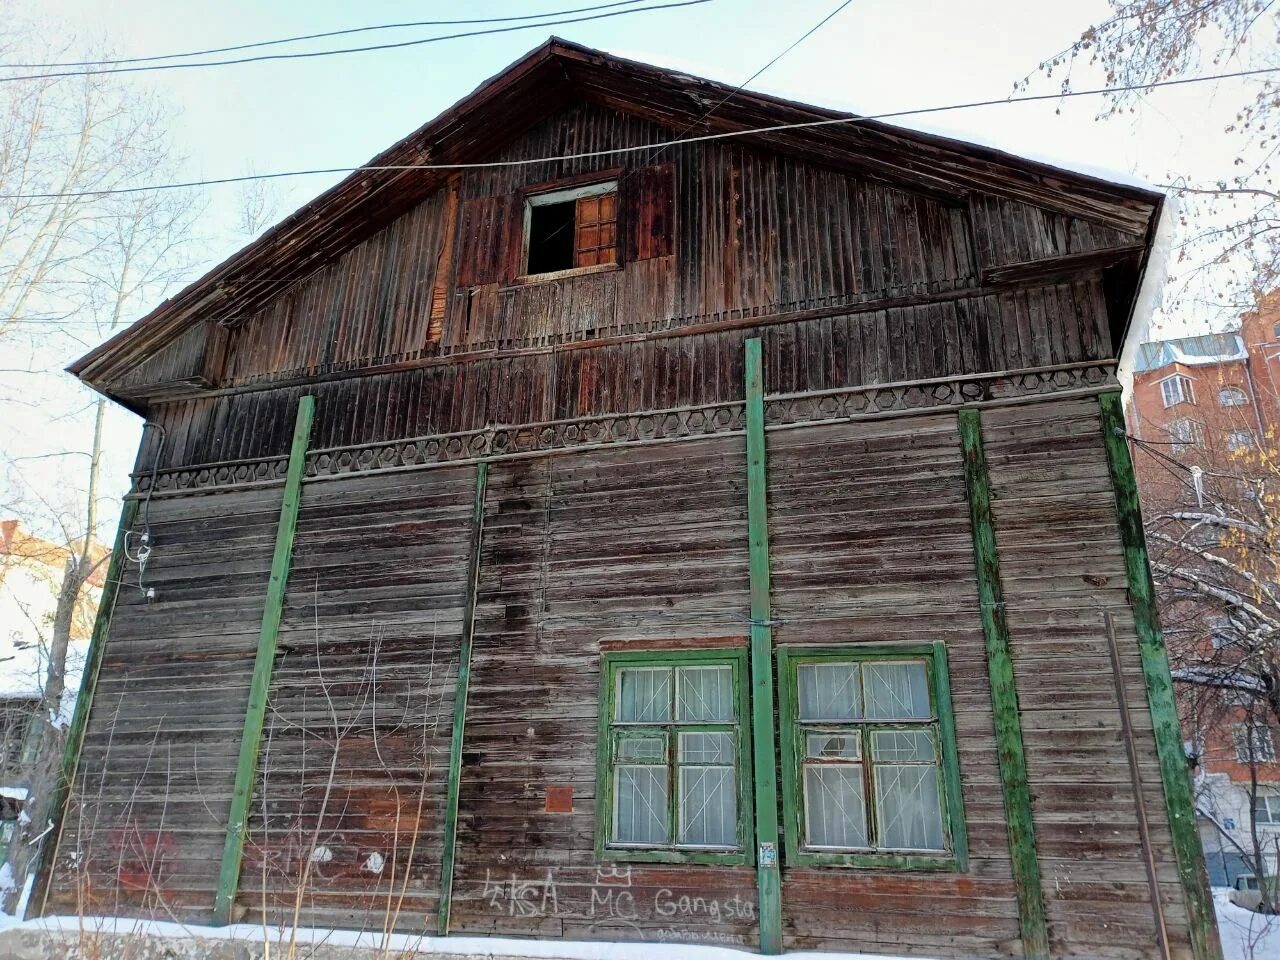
pixel 364 681
pixel 752 233
pixel 624 549
pixel 1063 569
pixel 1038 326
pixel 870 543
pixel 148 815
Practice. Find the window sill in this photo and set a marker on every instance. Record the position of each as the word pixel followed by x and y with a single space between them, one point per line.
pixel 530 279
pixel 877 861
pixel 722 858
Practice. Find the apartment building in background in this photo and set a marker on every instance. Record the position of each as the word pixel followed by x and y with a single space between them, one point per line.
pixel 1202 411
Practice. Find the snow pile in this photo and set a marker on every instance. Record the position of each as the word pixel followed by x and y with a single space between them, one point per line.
pixel 407 943
pixel 1245 935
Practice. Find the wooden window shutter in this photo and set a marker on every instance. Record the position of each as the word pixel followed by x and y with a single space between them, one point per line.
pixel 649 206
pixel 443 281
pixel 484 240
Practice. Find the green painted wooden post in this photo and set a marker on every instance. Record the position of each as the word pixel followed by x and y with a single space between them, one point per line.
pixel 763 733
pixel 84 698
pixel 460 704
pixel 1004 694
pixel 1155 668
pixel 247 766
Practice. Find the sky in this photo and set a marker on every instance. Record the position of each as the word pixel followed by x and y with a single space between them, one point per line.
pixel 875 56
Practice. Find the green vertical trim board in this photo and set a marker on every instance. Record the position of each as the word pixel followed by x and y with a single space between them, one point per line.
pixel 84 698
pixel 763 733
pixel 1155 668
pixel 950 755
pixel 1004 693
pixel 255 714
pixel 460 704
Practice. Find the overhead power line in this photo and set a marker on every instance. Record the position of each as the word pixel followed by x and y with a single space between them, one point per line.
pixel 307 54
pixel 315 36
pixel 738 89
pixel 702 138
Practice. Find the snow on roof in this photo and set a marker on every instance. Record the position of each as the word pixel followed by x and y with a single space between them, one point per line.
pixel 1192 351
pixel 821 96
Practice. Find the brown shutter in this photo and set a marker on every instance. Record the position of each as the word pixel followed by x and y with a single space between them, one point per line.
pixel 649 208
pixel 484 240
pixel 443 281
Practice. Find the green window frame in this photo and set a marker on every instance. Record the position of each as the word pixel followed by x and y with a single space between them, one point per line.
pixel 669 747
pixel 857 749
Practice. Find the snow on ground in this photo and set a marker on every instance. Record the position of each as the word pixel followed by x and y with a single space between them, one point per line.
pixel 465 946
pixel 1245 936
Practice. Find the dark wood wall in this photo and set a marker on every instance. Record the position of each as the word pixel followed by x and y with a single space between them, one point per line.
pixel 599 550
pixel 148 814
pixel 1064 571
pixel 1036 326
pixel 739 233
pixel 355 752
pixel 870 543
pixel 616 549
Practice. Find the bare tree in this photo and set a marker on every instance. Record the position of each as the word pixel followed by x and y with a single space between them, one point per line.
pixel 75 265
pixel 1230 223
pixel 1214 535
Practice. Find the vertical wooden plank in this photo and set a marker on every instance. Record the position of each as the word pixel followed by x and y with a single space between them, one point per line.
pixel 460 704
pixel 763 734
pixel 1155 668
pixel 84 701
pixel 1004 694
pixel 247 766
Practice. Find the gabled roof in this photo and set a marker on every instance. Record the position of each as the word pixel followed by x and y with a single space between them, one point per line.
pixel 555 75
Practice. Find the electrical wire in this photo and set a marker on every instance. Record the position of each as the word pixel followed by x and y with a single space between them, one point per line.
pixel 730 95
pixel 314 36
pixel 302 55
pixel 727 135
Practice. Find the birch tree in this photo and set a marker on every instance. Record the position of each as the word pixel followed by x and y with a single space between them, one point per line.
pixel 76 265
pixel 1228 254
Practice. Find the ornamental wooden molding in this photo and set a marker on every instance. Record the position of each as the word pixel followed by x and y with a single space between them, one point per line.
pixel 656 426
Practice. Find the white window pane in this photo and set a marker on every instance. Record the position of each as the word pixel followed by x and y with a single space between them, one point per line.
pixel 708 807
pixel 908 808
pixel 903 746
pixel 833 746
pixel 640 805
pixel 706 748
pixel 835 808
pixel 705 695
pixel 829 691
pixel 644 695
pixel 897 690
pixel 643 748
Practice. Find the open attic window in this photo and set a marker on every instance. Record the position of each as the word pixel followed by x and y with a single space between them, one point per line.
pixel 571 229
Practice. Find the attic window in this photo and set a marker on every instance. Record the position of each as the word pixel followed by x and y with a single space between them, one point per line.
pixel 571 229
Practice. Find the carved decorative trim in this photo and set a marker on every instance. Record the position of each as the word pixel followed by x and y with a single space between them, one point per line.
pixel 242 473
pixel 907 398
pixel 530 439
pixel 782 410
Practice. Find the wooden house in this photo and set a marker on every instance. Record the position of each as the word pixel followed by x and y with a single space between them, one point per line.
pixel 631 508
